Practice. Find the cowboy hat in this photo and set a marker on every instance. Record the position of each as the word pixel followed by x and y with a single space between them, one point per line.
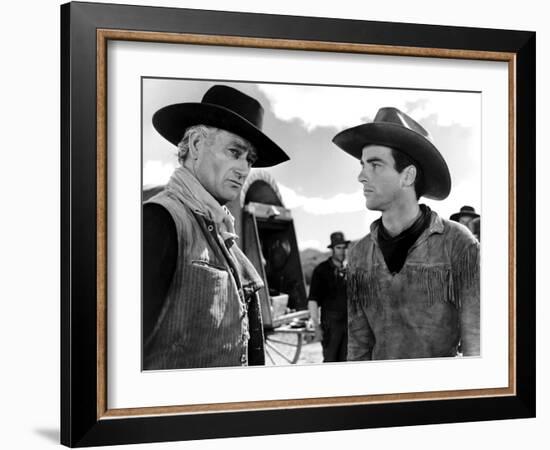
pixel 337 238
pixel 226 108
pixel 393 128
pixel 464 211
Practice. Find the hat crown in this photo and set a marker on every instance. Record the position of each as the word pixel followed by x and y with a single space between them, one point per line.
pixel 467 208
pixel 236 101
pixel 397 117
pixel 337 238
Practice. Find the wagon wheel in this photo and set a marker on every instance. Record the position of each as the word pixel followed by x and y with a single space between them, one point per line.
pixel 282 347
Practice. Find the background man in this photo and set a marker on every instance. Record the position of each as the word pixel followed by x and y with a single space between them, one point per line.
pixel 328 291
pixel 414 279
pixel 467 216
pixel 200 307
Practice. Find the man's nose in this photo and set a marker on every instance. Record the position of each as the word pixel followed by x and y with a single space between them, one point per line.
pixel 362 177
pixel 242 167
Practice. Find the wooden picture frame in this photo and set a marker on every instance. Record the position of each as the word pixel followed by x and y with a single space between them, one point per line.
pixel 86 418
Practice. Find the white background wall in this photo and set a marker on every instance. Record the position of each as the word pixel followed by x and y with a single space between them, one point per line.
pixel 29 225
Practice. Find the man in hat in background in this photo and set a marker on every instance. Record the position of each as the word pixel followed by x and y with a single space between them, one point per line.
pixel 475 228
pixel 468 217
pixel 200 307
pixel 413 281
pixel 328 292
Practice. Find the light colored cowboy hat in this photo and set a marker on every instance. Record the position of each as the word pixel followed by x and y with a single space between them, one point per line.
pixel 393 128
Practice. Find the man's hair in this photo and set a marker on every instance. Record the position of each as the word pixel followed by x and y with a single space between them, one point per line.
pixel 183 146
pixel 403 160
pixel 206 132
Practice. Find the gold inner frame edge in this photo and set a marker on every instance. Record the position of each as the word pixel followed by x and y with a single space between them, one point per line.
pixel 103 36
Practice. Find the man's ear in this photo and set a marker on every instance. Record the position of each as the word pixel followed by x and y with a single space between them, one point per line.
pixel 194 145
pixel 409 176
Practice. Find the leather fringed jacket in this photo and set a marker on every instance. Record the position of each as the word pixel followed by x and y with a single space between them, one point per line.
pixel 427 309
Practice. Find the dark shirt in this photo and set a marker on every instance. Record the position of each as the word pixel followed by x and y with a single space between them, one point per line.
pixel 396 248
pixel 328 287
pixel 160 252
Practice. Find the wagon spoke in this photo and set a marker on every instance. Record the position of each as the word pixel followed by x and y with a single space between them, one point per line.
pixel 270 357
pixel 282 342
pixel 272 347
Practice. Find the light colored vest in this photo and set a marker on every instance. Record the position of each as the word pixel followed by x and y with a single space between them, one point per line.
pixel 204 321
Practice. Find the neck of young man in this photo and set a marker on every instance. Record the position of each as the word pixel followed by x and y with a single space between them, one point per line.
pixel 400 216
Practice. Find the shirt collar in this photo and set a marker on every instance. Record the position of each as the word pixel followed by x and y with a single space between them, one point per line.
pixel 436 227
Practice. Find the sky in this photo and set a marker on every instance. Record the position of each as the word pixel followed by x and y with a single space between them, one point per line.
pixel 319 183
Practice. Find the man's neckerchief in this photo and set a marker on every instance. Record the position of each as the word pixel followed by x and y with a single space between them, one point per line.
pixel 395 248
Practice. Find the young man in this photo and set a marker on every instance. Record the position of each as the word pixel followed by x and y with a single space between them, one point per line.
pixel 200 307
pixel 413 281
pixel 328 291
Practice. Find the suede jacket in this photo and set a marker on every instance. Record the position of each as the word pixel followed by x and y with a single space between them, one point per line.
pixel 426 310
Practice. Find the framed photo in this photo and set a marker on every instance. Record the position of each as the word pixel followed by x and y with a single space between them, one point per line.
pixel 471 91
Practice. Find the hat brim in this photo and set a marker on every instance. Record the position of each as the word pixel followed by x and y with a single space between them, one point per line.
pixel 437 178
pixel 172 121
pixel 456 216
pixel 338 243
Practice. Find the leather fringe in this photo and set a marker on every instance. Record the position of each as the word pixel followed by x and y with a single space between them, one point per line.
pixel 439 282
pixel 362 289
pixel 468 269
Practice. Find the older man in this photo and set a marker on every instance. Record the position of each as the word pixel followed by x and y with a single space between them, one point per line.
pixel 200 307
pixel 414 279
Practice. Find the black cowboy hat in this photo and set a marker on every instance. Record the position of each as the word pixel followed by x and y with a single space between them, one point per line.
pixel 393 128
pixel 337 238
pixel 464 211
pixel 226 108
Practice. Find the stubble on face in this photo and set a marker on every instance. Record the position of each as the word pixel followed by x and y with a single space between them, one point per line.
pixel 223 164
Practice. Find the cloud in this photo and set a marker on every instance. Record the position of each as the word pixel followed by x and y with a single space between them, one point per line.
pixel 339 203
pixel 157 172
pixel 340 107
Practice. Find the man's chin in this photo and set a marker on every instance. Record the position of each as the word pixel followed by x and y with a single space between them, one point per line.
pixel 371 206
pixel 230 196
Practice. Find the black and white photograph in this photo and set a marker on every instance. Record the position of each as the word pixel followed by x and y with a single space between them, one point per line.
pixel 272 224
pixel 308 224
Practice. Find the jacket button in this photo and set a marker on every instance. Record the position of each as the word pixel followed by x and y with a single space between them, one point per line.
pixel 210 228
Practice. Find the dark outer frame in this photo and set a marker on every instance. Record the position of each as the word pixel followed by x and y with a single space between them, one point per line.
pixel 81 422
